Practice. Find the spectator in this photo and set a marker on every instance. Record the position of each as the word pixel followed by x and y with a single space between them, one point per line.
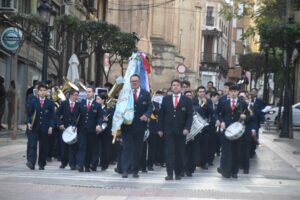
pixel 2 100
pixel 11 97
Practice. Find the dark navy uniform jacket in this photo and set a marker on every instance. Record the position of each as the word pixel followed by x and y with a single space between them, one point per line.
pixel 45 117
pixel 227 115
pixel 88 120
pixel 173 121
pixel 65 116
pixel 143 106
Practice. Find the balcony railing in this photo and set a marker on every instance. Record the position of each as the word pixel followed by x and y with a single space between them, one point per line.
pixel 210 21
pixel 207 57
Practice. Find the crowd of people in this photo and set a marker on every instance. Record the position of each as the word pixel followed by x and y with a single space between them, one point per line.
pixel 157 135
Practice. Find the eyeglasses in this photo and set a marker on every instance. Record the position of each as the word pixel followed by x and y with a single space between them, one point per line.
pixel 134 81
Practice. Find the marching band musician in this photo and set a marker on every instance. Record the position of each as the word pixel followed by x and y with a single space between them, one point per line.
pixel 155 142
pixel 250 130
pixel 189 156
pixel 203 106
pixel 232 110
pixel 133 134
pixel 105 137
pixel 67 115
pixel 40 123
pixel 89 126
pixel 175 121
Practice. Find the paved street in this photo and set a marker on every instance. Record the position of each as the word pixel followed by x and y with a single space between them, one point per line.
pixel 274 174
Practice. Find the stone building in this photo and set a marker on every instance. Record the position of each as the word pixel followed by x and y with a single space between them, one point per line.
pixel 169 32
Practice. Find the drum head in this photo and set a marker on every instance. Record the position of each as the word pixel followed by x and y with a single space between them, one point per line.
pixel 69 136
pixel 234 131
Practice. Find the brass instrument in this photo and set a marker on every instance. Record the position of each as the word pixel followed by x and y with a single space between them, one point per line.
pixel 60 94
pixel 80 85
pixel 111 102
pixel 249 107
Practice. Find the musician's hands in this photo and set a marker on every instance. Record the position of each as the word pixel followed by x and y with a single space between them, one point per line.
pixel 29 126
pixel 218 123
pixel 62 127
pixel 185 132
pixel 253 132
pixel 50 131
pixel 105 118
pixel 98 129
pixel 160 133
pixel 144 118
pixel 223 126
pixel 243 116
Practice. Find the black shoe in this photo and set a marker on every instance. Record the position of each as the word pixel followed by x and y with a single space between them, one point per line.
pixel 118 171
pixel 30 166
pixel 49 159
pixel 210 164
pixel 87 170
pixel 135 175
pixel 205 167
pixel 41 167
pixel 169 178
pixel 103 168
pixel 150 169
pixel 80 169
pixel 62 166
pixel 162 165
pixel 219 170
pixel 178 177
pixel 93 168
pixel 72 168
pixel 124 175
pixel 144 171
pixel 246 171
pixel 234 176
pixel 188 174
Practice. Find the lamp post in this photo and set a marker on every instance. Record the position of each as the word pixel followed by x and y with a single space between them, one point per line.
pixel 266 78
pixel 46 13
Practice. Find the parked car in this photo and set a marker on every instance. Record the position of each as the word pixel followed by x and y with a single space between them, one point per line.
pixel 272 114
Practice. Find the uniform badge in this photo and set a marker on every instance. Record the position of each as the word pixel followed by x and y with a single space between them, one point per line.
pixel 183 109
pixel 46 111
pixel 94 111
pixel 144 103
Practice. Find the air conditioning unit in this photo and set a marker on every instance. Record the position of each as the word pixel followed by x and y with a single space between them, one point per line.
pixel 8 5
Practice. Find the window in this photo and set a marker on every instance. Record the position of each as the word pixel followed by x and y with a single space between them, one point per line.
pixel 209 16
pixel 24 6
pixel 234 23
pixel 239 34
pixel 233 48
pixel 240 11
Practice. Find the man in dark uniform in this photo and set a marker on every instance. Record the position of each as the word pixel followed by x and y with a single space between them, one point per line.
pixel 203 106
pixel 258 105
pixel 67 115
pixel 232 110
pixel 90 121
pixel 175 121
pixel 133 134
pixel 40 123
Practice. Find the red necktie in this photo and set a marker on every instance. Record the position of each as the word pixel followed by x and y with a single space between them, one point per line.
pixel 42 103
pixel 232 105
pixel 135 95
pixel 72 106
pixel 176 101
pixel 88 106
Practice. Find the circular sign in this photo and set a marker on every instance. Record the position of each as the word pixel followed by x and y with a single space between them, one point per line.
pixel 181 69
pixel 11 38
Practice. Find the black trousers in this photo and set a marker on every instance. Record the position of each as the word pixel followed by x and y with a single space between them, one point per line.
pixel 105 140
pixel 174 152
pixel 229 156
pixel 213 138
pixel 132 150
pixel 88 150
pixel 153 148
pixel 189 157
pixel 245 151
pixel 34 137
pixel 143 160
pixel 201 143
pixel 68 153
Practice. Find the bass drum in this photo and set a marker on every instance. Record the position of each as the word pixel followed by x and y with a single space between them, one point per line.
pixel 234 131
pixel 69 136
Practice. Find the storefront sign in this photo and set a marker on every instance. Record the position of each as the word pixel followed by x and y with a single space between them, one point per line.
pixel 11 38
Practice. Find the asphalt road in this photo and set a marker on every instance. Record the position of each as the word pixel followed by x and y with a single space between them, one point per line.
pixel 271 177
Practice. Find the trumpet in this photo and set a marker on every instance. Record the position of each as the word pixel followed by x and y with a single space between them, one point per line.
pixel 203 102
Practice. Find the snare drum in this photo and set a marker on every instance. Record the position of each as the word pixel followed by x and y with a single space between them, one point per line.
pixel 69 136
pixel 235 131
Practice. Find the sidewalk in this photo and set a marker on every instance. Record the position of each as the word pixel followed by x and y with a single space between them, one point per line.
pixel 287 149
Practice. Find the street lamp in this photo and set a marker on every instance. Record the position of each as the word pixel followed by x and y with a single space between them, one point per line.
pixel 46 13
pixel 266 78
